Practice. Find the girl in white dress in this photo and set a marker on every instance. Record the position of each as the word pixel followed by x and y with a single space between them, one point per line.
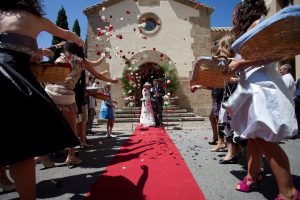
pixel 147 117
pixel 268 116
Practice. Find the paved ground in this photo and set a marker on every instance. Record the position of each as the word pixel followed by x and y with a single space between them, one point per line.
pixel 216 181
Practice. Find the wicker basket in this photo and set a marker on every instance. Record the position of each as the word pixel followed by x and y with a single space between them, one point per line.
pixel 274 38
pixel 208 72
pixel 51 73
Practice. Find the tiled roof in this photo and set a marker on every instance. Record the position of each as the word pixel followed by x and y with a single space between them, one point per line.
pixel 107 3
pixel 226 29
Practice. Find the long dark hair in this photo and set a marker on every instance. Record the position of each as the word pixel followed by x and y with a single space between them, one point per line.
pixel 74 49
pixel 245 13
pixel 32 6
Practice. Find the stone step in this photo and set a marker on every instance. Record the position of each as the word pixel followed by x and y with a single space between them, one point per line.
pixel 172 107
pixel 169 119
pixel 137 115
pixel 138 111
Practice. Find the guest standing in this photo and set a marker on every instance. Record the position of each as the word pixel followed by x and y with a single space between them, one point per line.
pixel 107 111
pixel 157 93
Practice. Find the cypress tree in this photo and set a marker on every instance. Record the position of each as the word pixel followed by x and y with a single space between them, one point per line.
pixel 76 27
pixel 61 21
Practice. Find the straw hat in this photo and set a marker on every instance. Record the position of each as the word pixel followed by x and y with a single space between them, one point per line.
pixel 147 84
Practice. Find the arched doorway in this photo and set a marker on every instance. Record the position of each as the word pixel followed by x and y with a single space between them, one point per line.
pixel 147 73
pixel 146 66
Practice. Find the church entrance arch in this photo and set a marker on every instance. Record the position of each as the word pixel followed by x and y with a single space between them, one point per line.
pixel 147 73
pixel 145 67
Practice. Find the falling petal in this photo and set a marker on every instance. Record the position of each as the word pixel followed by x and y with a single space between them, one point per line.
pixel 119 36
pixel 103 8
pixel 110 28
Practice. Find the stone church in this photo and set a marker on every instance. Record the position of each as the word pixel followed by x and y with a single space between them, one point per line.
pixel 151 33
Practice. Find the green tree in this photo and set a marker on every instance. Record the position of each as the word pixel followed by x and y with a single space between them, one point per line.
pixel 61 21
pixel 76 27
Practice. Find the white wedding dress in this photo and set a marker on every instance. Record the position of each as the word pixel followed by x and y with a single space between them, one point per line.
pixel 147 117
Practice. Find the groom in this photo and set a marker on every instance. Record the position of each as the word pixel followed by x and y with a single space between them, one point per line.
pixel 157 93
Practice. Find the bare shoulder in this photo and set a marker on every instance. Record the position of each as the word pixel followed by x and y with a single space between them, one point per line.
pixel 21 22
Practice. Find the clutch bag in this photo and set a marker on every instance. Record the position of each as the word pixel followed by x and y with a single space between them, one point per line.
pixel 236 100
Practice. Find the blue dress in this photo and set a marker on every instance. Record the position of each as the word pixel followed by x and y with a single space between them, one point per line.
pixel 106 112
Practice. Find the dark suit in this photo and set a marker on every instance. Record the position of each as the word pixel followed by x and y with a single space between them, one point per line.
pixel 157 103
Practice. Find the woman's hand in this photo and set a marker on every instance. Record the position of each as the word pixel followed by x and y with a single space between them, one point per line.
pixel 195 87
pixel 114 80
pixel 232 67
pixel 40 54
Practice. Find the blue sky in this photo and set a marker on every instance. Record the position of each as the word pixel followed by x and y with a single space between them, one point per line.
pixel 74 9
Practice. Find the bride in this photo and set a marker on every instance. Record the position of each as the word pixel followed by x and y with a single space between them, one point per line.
pixel 147 117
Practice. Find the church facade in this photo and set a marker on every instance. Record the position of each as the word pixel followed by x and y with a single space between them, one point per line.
pixel 153 32
pixel 142 35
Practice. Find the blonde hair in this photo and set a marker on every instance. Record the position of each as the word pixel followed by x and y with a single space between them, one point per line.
pixel 224 46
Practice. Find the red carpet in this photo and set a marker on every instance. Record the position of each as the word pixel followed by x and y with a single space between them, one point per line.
pixel 149 167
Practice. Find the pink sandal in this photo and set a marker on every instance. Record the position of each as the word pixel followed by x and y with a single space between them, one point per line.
pixel 244 187
pixel 295 197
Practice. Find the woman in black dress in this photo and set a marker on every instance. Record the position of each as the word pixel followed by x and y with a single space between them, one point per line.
pixel 36 133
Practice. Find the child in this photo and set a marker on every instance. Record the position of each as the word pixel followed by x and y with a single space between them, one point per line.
pixel 268 116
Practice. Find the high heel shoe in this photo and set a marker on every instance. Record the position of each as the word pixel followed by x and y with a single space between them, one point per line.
pixel 232 160
pixel 73 162
pixel 252 183
pixel 214 142
pixel 218 148
pixel 47 164
pixel 8 188
pixel 296 196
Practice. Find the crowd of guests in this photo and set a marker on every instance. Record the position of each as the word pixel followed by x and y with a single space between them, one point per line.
pixel 256 120
pixel 70 112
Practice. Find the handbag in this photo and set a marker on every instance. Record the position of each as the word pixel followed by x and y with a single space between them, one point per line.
pixel 236 100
